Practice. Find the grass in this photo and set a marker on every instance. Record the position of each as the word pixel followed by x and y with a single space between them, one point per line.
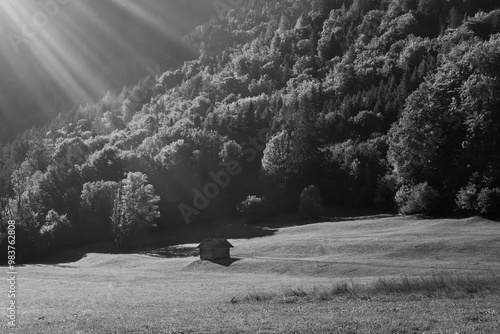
pixel 434 286
pixel 376 275
pixel 447 284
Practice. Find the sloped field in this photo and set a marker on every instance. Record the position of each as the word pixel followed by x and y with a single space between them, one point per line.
pixel 140 293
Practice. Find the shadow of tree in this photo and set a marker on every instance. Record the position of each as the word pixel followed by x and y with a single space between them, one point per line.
pixel 76 254
pixel 194 234
pixel 172 242
pixel 175 251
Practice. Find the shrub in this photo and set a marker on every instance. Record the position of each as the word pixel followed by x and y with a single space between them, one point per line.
pixel 55 223
pixel 467 198
pixel 488 201
pixel 253 208
pixel 55 232
pixel 421 198
pixel 311 204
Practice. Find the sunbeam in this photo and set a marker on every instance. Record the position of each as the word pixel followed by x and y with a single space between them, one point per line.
pixel 56 54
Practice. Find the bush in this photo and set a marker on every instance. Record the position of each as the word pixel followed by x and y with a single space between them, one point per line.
pixel 488 201
pixel 467 198
pixel 421 198
pixel 56 231
pixel 311 204
pixel 472 200
pixel 253 208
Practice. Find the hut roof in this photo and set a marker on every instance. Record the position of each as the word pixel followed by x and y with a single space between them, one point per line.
pixel 215 243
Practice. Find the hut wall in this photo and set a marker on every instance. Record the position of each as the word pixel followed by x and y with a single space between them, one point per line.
pixel 221 253
pixel 206 253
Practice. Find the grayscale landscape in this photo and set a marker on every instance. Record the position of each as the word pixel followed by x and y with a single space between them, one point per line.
pixel 250 166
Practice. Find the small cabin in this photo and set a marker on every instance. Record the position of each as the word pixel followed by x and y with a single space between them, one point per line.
pixel 214 249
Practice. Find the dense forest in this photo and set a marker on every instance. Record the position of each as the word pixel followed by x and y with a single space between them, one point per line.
pixel 393 103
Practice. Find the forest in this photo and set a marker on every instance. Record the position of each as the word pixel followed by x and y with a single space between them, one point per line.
pixel 291 105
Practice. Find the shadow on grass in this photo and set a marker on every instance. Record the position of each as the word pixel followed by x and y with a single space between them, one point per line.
pixel 226 262
pixel 168 243
pixel 170 239
pixel 208 264
pixel 76 254
pixel 176 251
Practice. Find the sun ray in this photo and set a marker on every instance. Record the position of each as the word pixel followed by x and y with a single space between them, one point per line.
pixel 81 50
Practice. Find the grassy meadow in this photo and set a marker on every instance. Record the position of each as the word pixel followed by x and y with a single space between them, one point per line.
pixel 380 274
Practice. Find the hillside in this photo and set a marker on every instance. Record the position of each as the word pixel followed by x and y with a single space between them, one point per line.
pixel 371 247
pixel 138 293
pixel 290 104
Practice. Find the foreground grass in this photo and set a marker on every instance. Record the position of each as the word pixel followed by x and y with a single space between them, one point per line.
pixel 431 304
pixel 380 314
pixel 360 276
pixel 434 286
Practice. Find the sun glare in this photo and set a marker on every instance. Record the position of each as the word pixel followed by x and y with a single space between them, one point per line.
pixel 43 42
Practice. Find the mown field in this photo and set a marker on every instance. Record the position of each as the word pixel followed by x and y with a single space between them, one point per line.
pixel 372 275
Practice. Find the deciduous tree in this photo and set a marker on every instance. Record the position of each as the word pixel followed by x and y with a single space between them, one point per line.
pixel 135 208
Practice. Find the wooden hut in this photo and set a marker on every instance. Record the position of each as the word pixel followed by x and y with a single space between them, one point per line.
pixel 214 249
